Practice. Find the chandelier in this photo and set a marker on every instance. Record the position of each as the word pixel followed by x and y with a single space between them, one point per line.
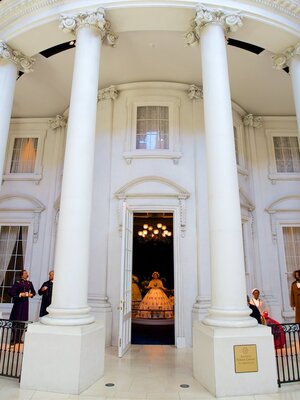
pixel 155 233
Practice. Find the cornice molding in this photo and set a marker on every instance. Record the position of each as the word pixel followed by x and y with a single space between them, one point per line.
pixel 12 10
pixel 22 62
pixel 283 59
pixel 92 19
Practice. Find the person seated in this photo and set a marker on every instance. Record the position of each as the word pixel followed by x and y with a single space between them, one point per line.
pixel 257 301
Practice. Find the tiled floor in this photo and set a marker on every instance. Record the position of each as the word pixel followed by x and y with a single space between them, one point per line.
pixel 145 372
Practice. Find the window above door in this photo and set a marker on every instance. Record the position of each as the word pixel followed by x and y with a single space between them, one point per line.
pixel 152 128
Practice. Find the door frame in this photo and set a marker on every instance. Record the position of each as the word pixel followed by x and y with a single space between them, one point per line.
pixel 178 310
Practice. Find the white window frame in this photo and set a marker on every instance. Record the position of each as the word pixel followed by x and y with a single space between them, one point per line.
pixel 28 242
pixel 281 223
pixel 28 129
pixel 273 175
pixel 130 151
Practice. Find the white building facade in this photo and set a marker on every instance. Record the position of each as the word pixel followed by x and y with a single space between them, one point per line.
pixel 227 167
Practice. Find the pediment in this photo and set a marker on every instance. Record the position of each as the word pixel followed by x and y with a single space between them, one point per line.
pixel 287 203
pixel 152 186
pixel 20 202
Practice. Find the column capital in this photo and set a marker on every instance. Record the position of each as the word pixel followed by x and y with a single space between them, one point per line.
pixel 59 121
pixel 22 62
pixel 110 93
pixel 195 92
pixel 94 19
pixel 204 16
pixel 253 121
pixel 282 60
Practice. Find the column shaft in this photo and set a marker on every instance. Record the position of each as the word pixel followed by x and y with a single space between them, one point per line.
pixel 69 303
pixel 295 76
pixel 229 305
pixel 8 76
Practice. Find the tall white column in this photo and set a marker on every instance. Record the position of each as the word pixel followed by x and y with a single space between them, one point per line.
pixel 291 58
pixel 76 343
pixel 10 62
pixel 69 302
pixel 228 288
pixel 228 323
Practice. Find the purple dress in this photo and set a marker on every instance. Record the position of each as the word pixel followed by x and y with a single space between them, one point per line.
pixel 20 308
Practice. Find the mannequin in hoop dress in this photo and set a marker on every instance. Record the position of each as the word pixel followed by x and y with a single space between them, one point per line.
pixel 156 300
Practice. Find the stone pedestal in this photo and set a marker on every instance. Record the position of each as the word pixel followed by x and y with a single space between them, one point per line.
pixel 214 363
pixel 63 359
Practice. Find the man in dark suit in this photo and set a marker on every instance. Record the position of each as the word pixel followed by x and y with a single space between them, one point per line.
pixel 21 291
pixel 46 292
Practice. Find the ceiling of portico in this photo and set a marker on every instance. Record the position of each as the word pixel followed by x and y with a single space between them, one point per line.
pixel 147 52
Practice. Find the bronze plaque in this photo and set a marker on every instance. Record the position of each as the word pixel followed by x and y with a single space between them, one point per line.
pixel 245 358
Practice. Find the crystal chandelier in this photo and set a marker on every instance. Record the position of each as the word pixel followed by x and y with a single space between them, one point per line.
pixel 155 233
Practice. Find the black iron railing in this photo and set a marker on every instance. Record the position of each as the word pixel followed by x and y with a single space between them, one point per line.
pixel 287 352
pixel 11 347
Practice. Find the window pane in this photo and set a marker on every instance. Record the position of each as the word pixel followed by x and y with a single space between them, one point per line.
pixel 152 130
pixel 291 237
pixel 24 155
pixel 13 240
pixel 287 154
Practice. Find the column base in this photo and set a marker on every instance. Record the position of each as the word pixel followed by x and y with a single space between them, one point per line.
pixel 215 366
pixel 63 359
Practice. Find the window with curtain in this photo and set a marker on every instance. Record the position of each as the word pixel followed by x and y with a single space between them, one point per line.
pixel 291 238
pixel 23 155
pixel 152 130
pixel 13 241
pixel 287 153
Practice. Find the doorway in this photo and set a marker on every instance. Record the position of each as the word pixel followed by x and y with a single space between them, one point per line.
pixel 153 314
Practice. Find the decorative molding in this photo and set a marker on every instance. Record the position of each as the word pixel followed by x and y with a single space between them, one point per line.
pixel 176 192
pixel 253 121
pixel 59 121
pixel 22 62
pixel 286 204
pixel 195 92
pixel 231 22
pixel 12 10
pixel 110 93
pixel 94 19
pixel 282 60
pixel 19 203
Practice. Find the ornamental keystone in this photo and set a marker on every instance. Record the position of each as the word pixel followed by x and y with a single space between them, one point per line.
pixel 22 62
pixel 230 22
pixel 96 19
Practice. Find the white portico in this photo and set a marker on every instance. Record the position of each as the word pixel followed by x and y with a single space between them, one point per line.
pixel 212 168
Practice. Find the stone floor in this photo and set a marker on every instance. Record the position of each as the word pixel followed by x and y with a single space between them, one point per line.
pixel 145 372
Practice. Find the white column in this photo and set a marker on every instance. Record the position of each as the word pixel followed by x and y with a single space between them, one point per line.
pixel 69 302
pixel 228 322
pixel 10 62
pixel 291 58
pixel 229 305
